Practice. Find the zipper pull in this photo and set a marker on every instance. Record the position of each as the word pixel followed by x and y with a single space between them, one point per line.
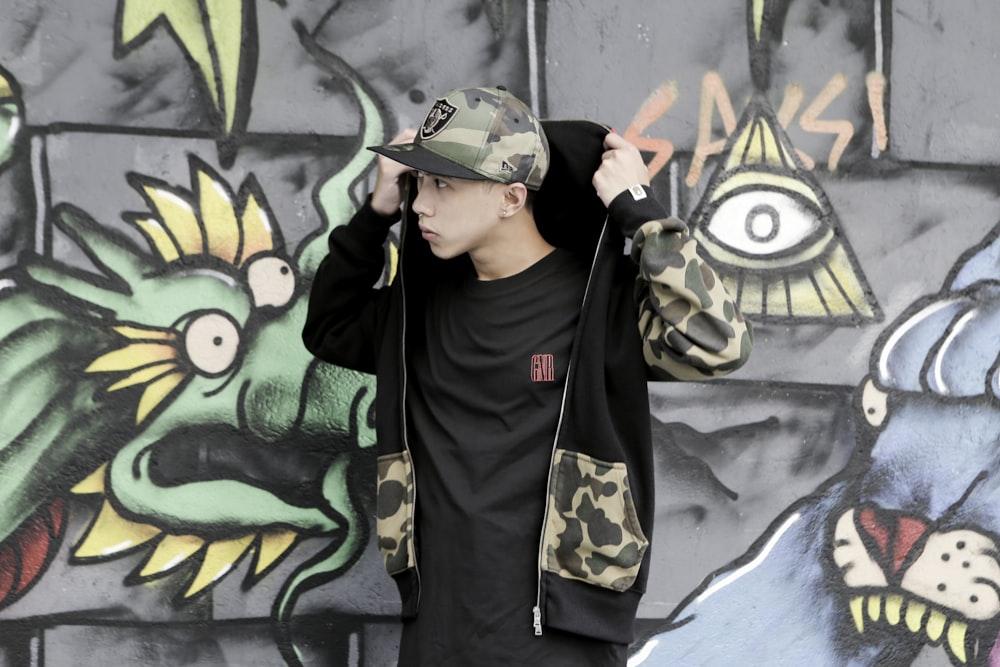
pixel 537 612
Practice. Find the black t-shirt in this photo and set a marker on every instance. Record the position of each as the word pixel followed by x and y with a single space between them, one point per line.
pixel 485 390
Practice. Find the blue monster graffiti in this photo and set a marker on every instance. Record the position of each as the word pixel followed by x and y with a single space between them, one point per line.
pixel 899 551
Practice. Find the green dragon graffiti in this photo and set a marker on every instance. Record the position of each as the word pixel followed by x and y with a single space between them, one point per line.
pixel 172 382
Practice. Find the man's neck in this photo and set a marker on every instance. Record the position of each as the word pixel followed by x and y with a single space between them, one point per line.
pixel 517 248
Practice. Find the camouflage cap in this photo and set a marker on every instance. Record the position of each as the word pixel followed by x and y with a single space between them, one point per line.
pixel 479 134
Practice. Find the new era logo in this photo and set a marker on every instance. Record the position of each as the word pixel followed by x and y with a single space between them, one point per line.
pixel 543 368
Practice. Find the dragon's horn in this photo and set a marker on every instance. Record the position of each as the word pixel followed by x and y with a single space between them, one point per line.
pixel 111 252
pixel 332 197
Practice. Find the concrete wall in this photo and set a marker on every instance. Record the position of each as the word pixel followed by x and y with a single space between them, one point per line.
pixel 183 485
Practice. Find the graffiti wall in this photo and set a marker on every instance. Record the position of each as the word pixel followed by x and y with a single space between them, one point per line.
pixel 184 485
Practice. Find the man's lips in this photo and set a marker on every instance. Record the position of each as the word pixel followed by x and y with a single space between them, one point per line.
pixel 426 233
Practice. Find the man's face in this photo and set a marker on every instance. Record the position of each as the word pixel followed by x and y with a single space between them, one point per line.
pixel 457 215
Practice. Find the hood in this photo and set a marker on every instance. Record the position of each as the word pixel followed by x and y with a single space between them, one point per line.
pixel 568 212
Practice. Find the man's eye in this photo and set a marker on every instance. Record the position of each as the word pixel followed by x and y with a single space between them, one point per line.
pixel 438 183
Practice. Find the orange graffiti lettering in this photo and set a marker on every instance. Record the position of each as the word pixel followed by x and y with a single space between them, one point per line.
pixel 875 82
pixel 655 106
pixel 794 94
pixel 844 129
pixel 713 94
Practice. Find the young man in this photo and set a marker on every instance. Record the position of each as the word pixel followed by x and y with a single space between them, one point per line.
pixel 512 350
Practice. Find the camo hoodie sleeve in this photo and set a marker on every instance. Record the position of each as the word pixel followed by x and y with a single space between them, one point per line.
pixel 691 329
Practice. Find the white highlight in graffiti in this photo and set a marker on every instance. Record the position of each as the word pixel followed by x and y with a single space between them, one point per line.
pixel 641 656
pixel 181 203
pixel 897 335
pixel 644 653
pixel 938 385
pixel 38 171
pixel 674 189
pixel 533 58
pixel 752 565
pixel 221 277
pixel 15 125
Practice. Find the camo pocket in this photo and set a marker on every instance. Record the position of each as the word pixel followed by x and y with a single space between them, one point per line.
pixel 592 532
pixel 395 511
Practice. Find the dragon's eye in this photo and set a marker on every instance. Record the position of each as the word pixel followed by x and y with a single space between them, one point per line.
pixel 212 342
pixel 763 223
pixel 875 404
pixel 272 281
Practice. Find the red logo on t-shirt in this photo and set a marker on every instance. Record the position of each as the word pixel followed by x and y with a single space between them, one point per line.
pixel 543 368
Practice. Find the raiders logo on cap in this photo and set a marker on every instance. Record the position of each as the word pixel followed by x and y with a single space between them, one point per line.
pixel 437 118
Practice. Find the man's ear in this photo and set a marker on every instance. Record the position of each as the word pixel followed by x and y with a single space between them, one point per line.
pixel 514 197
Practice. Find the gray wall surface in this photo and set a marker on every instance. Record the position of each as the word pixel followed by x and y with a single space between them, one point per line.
pixel 184 485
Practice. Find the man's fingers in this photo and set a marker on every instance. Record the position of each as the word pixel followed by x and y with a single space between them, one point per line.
pixel 621 168
pixel 405 136
pixel 387 194
pixel 391 168
pixel 614 140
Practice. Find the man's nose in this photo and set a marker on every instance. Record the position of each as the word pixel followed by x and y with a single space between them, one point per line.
pixel 420 205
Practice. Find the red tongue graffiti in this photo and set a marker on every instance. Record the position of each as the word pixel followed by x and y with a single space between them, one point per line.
pixel 893 534
pixel 25 555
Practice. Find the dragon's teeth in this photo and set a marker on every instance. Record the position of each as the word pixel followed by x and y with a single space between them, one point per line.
pixel 956 640
pixel 918 617
pixel 893 607
pixel 874 607
pixel 859 619
pixel 915 615
pixel 935 625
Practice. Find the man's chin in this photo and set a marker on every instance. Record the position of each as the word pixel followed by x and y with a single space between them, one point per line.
pixel 442 253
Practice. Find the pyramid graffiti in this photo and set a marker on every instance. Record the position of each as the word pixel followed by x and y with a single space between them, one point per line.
pixel 769 229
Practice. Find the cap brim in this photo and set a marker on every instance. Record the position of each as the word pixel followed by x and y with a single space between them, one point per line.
pixel 423 159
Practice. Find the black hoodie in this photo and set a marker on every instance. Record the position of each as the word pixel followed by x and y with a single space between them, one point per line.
pixel 659 313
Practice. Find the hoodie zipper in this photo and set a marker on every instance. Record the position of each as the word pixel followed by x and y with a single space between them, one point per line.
pixel 536 611
pixel 404 381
